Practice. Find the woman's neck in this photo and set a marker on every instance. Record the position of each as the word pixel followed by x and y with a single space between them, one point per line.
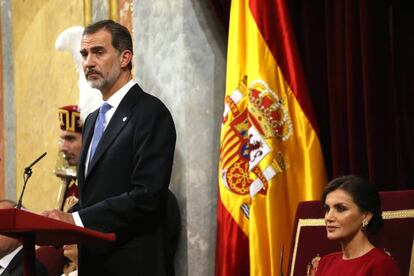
pixel 358 246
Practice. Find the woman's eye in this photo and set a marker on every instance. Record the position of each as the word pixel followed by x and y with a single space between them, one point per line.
pixel 341 208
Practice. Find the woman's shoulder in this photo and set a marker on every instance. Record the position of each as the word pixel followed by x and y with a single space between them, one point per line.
pixel 334 255
pixel 375 262
pixel 383 262
pixel 374 254
pixel 327 264
pixel 330 259
pixel 379 255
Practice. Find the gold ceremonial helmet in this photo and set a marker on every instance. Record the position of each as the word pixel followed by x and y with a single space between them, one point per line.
pixel 69 118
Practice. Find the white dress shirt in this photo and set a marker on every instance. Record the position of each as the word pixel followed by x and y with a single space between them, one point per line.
pixel 5 261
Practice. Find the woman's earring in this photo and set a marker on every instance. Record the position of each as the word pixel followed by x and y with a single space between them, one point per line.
pixel 364 224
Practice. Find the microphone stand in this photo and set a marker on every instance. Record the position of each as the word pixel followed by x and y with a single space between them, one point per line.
pixel 26 175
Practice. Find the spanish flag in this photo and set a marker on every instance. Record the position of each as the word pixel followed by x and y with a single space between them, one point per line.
pixel 270 155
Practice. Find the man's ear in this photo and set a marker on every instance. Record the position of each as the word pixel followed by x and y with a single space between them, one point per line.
pixel 125 58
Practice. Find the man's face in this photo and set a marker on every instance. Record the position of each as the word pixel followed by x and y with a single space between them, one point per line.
pixel 70 145
pixel 7 244
pixel 71 252
pixel 101 61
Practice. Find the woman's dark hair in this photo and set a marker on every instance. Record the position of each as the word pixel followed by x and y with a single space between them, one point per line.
pixel 121 37
pixel 363 193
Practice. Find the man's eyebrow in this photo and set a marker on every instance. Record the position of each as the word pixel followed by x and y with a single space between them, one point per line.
pixel 95 48
pixel 67 136
pixel 92 49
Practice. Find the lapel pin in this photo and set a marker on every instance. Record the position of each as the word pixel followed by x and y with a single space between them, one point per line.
pixel 124 119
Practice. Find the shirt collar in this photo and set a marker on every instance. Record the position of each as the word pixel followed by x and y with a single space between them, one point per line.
pixel 5 261
pixel 117 97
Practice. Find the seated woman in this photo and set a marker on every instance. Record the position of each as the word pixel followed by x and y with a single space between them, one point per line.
pixel 352 210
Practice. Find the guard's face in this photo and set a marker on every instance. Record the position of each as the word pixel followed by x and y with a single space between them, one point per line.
pixel 7 244
pixel 71 252
pixel 343 218
pixel 101 61
pixel 70 145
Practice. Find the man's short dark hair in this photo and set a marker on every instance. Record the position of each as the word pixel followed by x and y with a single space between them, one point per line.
pixel 121 37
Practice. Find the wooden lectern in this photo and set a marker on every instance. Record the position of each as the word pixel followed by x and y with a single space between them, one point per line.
pixel 34 229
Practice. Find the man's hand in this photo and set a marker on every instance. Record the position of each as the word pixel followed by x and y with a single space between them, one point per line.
pixel 59 215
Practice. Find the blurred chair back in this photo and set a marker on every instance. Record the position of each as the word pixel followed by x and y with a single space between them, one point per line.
pixel 396 236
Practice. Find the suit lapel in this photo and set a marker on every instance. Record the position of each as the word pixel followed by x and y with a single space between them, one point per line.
pixel 86 140
pixel 116 124
pixel 118 121
pixel 14 263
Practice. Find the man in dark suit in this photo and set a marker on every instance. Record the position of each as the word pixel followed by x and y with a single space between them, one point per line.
pixel 11 253
pixel 123 177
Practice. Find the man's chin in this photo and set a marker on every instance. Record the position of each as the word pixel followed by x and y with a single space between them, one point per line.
pixel 96 83
pixel 71 162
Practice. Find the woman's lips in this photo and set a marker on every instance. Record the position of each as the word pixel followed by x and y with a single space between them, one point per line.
pixel 331 228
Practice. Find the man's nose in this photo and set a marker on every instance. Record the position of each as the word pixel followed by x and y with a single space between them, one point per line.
pixel 63 145
pixel 89 62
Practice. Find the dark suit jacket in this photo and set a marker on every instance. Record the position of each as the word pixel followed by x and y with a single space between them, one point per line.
pixel 126 189
pixel 16 267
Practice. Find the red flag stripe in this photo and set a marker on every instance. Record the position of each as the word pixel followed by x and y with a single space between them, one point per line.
pixel 273 22
pixel 232 246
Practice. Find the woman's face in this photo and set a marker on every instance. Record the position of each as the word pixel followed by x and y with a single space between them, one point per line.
pixel 343 218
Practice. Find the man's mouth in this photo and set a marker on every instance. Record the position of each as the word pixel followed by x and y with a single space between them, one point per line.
pixel 67 156
pixel 92 74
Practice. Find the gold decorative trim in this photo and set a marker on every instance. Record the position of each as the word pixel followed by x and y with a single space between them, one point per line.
pixel 113 11
pixel 301 223
pixel 408 213
pixel 412 261
pixel 87 12
pixel 398 215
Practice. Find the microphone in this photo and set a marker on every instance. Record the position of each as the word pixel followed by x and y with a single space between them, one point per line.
pixel 26 176
pixel 28 168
